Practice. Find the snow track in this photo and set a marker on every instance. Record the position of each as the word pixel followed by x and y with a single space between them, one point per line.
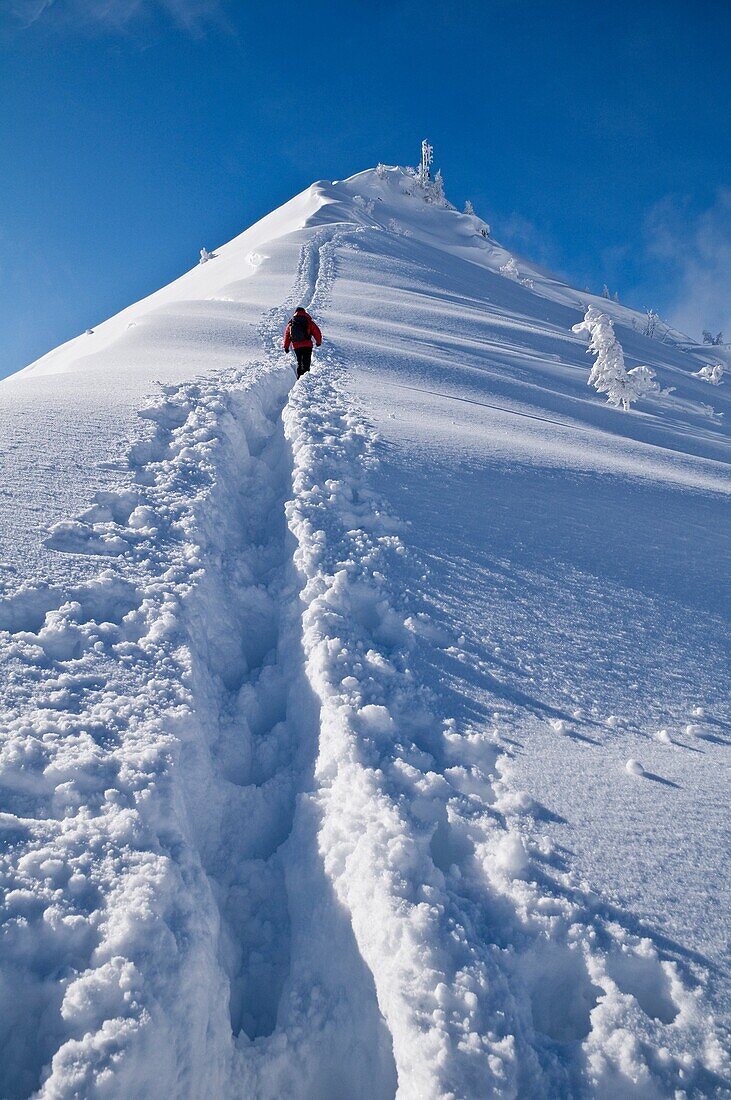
pixel 250 854
pixel 170 695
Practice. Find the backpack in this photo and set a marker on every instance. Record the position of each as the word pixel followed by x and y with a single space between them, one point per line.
pixel 299 328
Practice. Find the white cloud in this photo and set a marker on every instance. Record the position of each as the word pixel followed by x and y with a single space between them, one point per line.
pixel 27 11
pixel 697 251
pixel 191 15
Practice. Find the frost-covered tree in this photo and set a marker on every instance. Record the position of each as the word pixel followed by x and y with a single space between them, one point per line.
pixel 615 297
pixel 381 171
pixel 710 374
pixel 468 207
pixel 205 256
pixel 437 190
pixel 427 159
pixel 609 374
pixel 605 292
pixel 709 338
pixel 652 320
pixel 510 269
pixel 399 229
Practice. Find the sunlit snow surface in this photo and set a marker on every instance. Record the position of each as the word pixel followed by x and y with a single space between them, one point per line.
pixel 368 737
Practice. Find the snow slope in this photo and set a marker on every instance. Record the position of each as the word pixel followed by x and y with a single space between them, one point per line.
pixel 319 700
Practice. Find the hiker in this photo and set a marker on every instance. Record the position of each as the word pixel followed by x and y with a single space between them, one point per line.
pixel 299 334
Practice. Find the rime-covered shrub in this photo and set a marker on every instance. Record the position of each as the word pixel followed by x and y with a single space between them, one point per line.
pixel 469 208
pixel 710 374
pixel 367 204
pixel 652 320
pixel 510 270
pixel 609 374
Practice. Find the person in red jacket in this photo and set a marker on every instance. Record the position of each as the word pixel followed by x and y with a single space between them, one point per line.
pixel 299 334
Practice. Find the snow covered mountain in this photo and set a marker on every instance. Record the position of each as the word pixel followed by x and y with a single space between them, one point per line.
pixel 365 737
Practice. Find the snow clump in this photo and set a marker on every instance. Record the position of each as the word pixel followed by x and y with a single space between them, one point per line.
pixel 633 767
pixel 559 725
pixel 511 856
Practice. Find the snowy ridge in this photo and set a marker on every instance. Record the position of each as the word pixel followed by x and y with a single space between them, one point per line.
pixel 249 850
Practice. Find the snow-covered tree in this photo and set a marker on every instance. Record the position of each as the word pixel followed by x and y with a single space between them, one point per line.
pixel 615 297
pixel 709 338
pixel 468 207
pixel 381 171
pixel 710 374
pixel 205 256
pixel 609 374
pixel 652 320
pixel 427 159
pixel 437 190
pixel 605 292
pixel 510 269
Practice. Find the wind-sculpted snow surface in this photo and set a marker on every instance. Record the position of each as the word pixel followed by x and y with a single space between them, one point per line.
pixel 262 829
pixel 489 983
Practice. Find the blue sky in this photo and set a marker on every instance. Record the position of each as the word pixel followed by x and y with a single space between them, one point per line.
pixel 593 136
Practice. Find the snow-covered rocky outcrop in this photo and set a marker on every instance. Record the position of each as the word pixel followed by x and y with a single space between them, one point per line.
pixel 320 700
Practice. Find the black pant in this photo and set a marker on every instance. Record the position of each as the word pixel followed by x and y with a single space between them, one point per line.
pixel 304 360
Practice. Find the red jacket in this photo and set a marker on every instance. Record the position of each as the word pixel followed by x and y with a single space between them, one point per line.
pixel 312 332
